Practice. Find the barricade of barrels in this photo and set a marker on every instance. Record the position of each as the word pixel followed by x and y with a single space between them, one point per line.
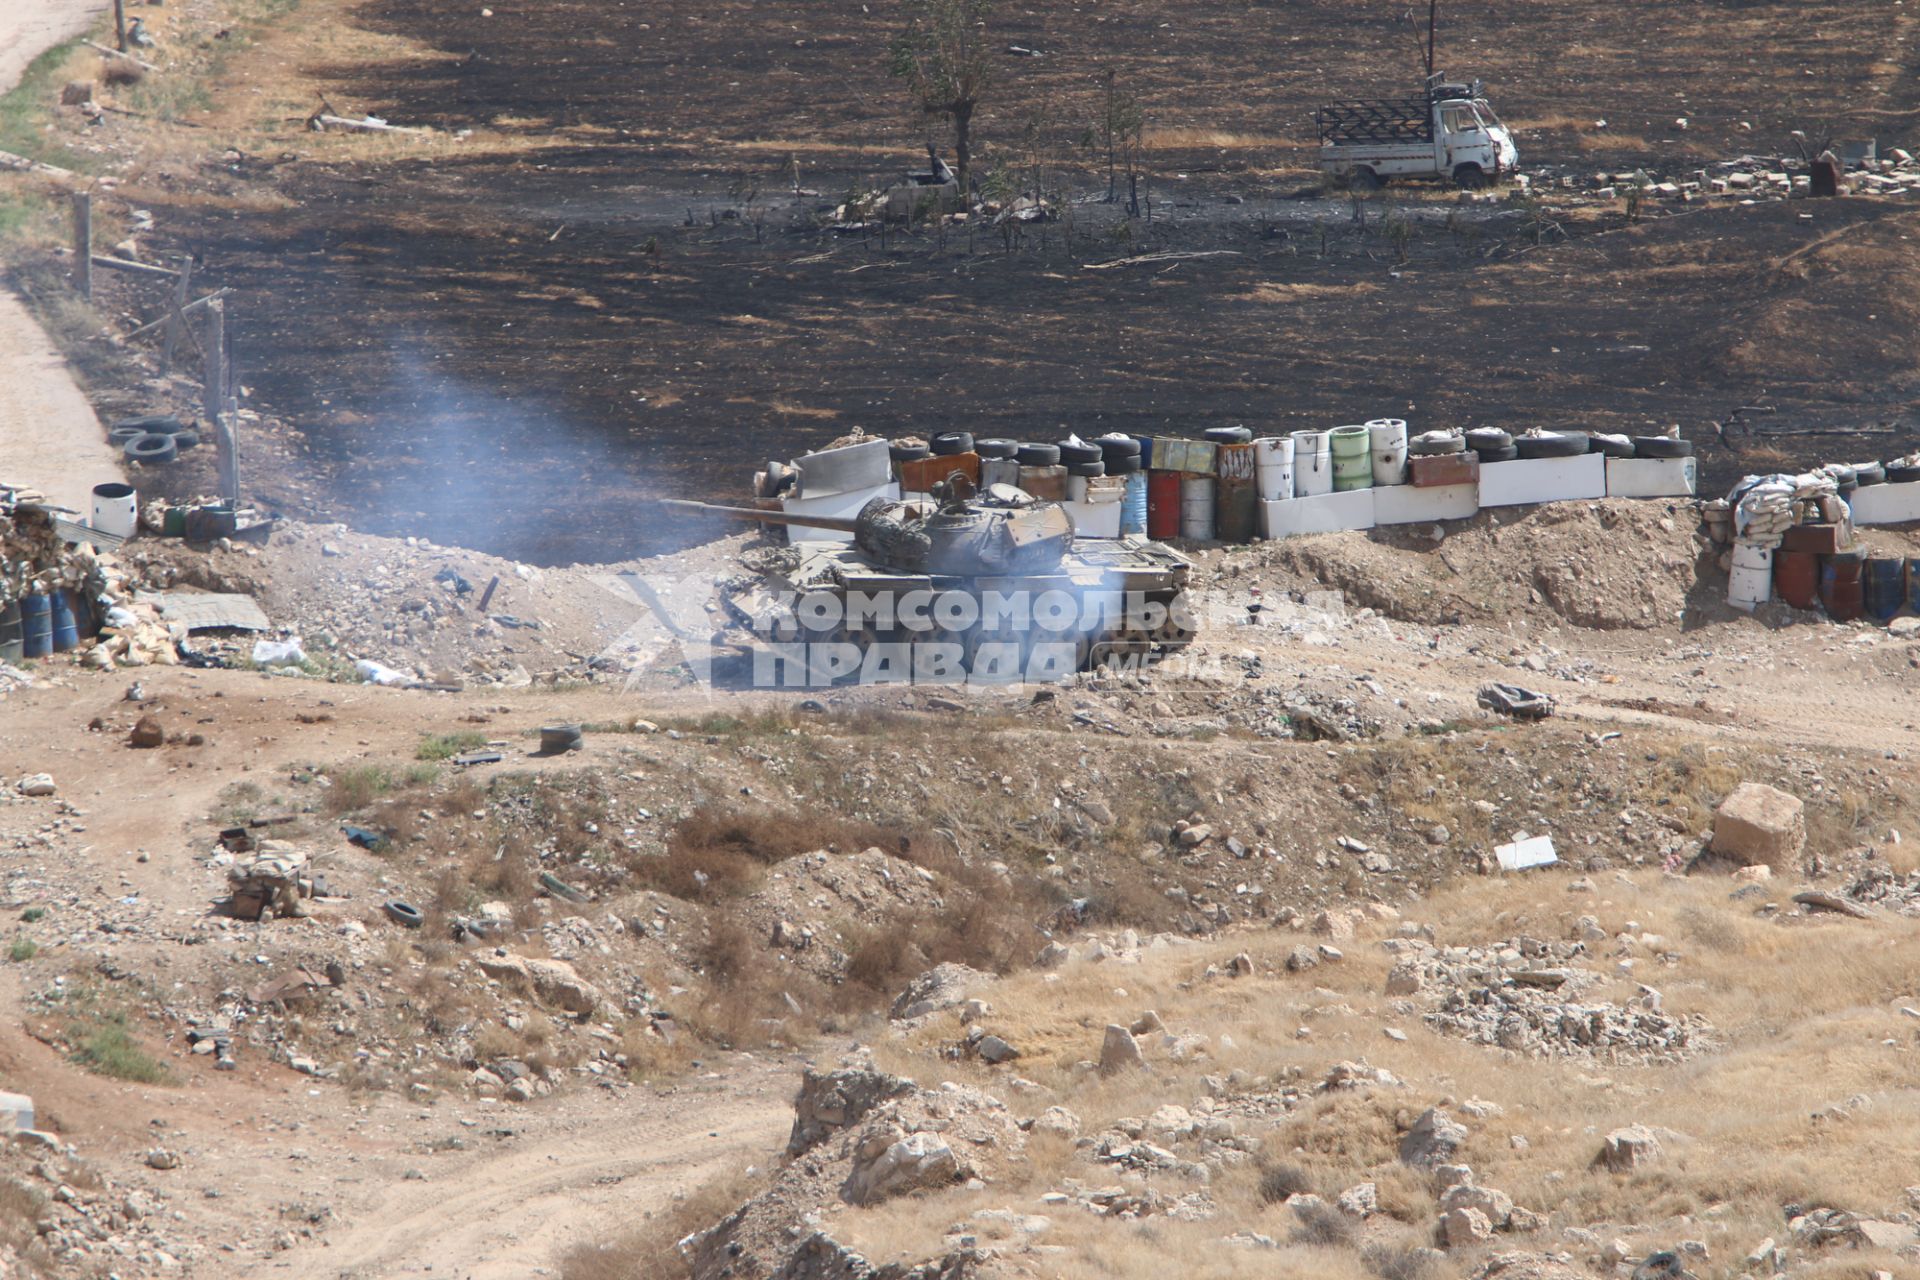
pixel 41 623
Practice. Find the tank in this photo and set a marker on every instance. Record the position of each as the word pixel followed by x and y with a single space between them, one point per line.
pixel 988 586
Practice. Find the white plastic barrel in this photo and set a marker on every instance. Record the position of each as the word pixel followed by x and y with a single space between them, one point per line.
pixel 116 509
pixel 1750 585
pixel 1389 448
pixel 1273 467
pixel 1196 508
pixel 1076 488
pixel 1312 463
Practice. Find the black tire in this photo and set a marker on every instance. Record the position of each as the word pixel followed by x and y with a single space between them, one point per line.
pixel 949 443
pixel 185 440
pixel 1469 177
pixel 152 449
pixel 1612 447
pixel 123 435
pixel 1445 446
pixel 164 424
pixel 405 914
pixel 1481 439
pixel 1365 179
pixel 1550 446
pixel 1071 453
pixel 1037 455
pixel 996 448
pixel 908 452
pixel 1227 435
pixel 1125 465
pixel 1661 447
pixel 1088 469
pixel 1872 473
pixel 1903 475
pixel 1112 447
pixel 1508 454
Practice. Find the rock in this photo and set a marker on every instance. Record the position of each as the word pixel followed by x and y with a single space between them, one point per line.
pixel 521 1090
pixel 1195 835
pixel 553 982
pixel 1628 1149
pixel 161 1158
pixel 1119 1051
pixel 1433 1140
pixel 1052 956
pixel 1361 1201
pixel 1758 873
pixel 38 784
pixel 1760 824
pixel 1241 966
pixel 1495 1206
pixel 1302 958
pixel 1814 900
pixel 1464 1228
pixel 829 1101
pixel 1405 978
pixel 1337 925
pixel 16 1112
pixel 974 1010
pixel 941 987
pixel 148 732
pixel 885 1166
pixel 1059 1121
pixel 1148 1023
pixel 994 1051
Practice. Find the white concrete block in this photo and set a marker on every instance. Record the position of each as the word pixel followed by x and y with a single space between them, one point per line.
pixel 1529 480
pixel 836 505
pixel 1094 519
pixel 1404 504
pixel 1321 513
pixel 1886 503
pixel 1652 477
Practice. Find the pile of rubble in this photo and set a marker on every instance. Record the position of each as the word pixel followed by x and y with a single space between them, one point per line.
pixel 74 1218
pixel 1524 996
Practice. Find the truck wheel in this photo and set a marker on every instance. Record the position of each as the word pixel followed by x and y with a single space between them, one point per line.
pixel 1366 180
pixel 1469 177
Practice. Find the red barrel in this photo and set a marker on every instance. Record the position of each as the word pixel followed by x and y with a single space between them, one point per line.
pixel 1163 505
pixel 1840 591
pixel 1796 577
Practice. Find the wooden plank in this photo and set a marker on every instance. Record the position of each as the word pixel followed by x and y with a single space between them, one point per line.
pixel 133 268
pixel 195 305
pixel 83 244
pixel 176 313
pixel 115 53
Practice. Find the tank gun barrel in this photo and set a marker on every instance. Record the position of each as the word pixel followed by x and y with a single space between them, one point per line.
pixel 844 524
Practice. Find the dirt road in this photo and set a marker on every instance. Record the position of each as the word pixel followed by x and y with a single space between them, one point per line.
pixel 49 437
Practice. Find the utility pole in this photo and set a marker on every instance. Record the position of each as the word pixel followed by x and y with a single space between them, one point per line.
pixel 120 25
pixel 1433 25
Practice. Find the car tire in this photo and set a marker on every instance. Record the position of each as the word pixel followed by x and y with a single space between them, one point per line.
pixel 404 914
pixel 1661 447
pixel 1903 475
pixel 1071 453
pixel 1112 447
pixel 908 452
pixel 1441 448
pixel 1871 473
pixel 1125 465
pixel 185 440
pixel 1480 439
pixel 949 443
pixel 152 448
pixel 1610 446
pixel 1506 454
pixel 1226 435
pixel 1088 469
pixel 996 448
pixel 1037 455
pixel 1550 446
pixel 1469 177
pixel 1365 179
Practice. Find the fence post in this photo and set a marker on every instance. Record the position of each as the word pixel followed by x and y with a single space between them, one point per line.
pixel 83 243
pixel 176 316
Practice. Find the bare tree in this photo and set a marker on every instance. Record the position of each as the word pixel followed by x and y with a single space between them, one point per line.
pixel 1121 125
pixel 943 57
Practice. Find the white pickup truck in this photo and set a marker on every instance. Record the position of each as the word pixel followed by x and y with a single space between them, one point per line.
pixel 1448 132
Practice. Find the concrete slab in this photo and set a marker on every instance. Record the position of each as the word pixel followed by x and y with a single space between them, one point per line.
pixel 1404 504
pixel 1321 513
pixel 1094 519
pixel 835 505
pixel 1886 503
pixel 1526 481
pixel 1652 477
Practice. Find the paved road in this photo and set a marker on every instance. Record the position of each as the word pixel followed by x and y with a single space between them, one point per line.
pixel 49 437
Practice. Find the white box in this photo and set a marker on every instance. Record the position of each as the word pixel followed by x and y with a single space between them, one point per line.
pixel 1651 477
pixel 1321 513
pixel 1094 519
pixel 852 468
pixel 1886 503
pixel 1404 504
pixel 1525 481
pixel 835 504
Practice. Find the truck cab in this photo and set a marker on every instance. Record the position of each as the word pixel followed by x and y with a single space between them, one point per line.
pixel 1449 132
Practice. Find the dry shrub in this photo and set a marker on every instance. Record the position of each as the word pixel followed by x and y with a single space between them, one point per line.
pixel 1278 1182
pixel 118 72
pixel 650 1249
pixel 1322 1225
pixel 1401 1262
pixel 714 854
pixel 727 952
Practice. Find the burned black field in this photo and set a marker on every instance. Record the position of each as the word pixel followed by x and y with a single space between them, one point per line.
pixel 639 306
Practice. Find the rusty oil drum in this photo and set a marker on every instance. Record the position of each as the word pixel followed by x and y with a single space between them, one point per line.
pixel 1840 593
pixel 1796 578
pixel 1163 505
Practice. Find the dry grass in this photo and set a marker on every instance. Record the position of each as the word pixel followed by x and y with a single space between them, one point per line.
pixel 648 1250
pixel 1782 994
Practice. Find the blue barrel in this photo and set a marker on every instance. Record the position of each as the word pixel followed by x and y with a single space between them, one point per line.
pixel 1883 586
pixel 11 649
pixel 1133 505
pixel 36 626
pixel 66 635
